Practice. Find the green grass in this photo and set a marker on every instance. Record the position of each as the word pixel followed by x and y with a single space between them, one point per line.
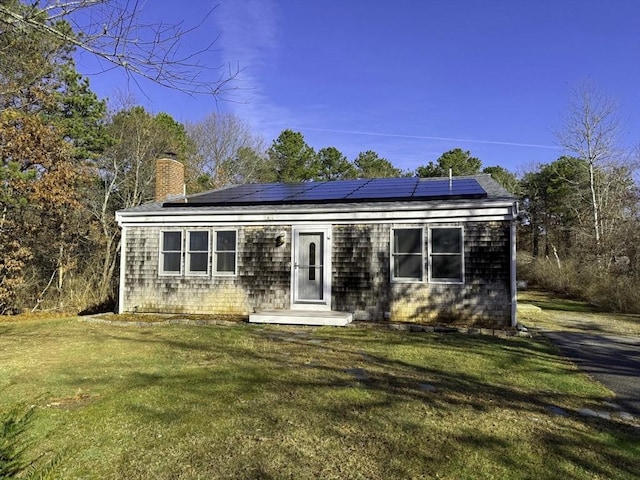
pixel 265 402
pixel 573 315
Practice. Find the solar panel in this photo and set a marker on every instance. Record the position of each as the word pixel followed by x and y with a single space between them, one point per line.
pixel 364 190
pixel 460 187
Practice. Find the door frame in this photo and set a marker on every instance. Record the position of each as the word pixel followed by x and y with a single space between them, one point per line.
pixel 325 303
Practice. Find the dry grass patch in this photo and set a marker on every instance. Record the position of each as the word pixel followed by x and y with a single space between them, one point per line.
pixel 573 315
pixel 251 401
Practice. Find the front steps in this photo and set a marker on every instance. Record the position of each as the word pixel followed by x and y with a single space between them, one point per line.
pixel 302 317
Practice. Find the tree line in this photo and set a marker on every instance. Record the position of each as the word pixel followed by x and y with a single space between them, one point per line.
pixel 69 162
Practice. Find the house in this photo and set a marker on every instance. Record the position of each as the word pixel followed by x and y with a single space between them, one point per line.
pixel 393 249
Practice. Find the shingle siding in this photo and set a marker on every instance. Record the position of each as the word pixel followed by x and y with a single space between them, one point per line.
pixel 264 268
pixel 145 290
pixel 360 261
pixel 360 277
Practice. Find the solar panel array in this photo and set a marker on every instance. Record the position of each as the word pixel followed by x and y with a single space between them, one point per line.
pixel 339 191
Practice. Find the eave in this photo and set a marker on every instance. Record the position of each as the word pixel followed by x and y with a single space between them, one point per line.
pixel 344 213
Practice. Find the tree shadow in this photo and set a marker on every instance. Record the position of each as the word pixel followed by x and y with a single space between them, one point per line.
pixel 268 373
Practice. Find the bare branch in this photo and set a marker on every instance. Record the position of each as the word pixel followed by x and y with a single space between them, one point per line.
pixel 591 130
pixel 113 31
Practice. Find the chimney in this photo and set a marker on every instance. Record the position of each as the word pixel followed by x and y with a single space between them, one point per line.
pixel 169 178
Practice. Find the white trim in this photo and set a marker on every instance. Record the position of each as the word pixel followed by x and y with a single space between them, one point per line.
pixel 123 269
pixel 187 253
pixel 461 254
pixel 215 252
pixel 393 278
pixel 281 215
pixel 177 222
pixel 325 303
pixel 161 271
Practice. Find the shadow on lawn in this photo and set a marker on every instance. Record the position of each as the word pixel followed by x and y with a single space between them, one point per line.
pixel 296 367
pixel 397 378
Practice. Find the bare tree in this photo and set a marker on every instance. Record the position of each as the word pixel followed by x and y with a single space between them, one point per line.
pixel 126 175
pixel 114 31
pixel 591 131
pixel 222 143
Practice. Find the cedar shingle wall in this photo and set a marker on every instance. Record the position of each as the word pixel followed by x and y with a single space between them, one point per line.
pixel 360 263
pixel 264 269
pixel 262 281
pixel 360 277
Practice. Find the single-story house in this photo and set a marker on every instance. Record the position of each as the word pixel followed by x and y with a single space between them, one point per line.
pixel 395 249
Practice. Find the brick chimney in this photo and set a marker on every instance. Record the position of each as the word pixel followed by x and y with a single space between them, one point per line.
pixel 169 178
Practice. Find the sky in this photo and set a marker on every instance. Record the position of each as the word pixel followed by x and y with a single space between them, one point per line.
pixel 409 79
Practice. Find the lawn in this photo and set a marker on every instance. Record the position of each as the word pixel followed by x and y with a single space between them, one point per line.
pixel 572 315
pixel 266 402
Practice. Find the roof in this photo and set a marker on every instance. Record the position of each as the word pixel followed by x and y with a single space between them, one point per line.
pixel 340 191
pixel 335 194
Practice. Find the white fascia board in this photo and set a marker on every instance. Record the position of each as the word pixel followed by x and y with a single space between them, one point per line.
pixel 205 220
pixel 287 216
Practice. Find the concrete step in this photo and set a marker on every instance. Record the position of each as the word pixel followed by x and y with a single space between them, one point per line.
pixel 302 317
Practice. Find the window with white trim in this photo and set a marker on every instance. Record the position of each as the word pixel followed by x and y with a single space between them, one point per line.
pixel 171 253
pixel 407 258
pixel 198 252
pixel 225 252
pixel 446 255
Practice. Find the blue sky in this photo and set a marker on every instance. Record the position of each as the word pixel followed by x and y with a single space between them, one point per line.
pixel 409 79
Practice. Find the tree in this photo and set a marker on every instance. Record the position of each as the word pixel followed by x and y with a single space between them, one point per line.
pixel 292 159
pixel 222 144
pixel 78 113
pixel 30 60
pixel 114 32
pixel 255 165
pixel 504 177
pixel 38 77
pixel 333 165
pixel 370 165
pixel 591 132
pixel 124 177
pixel 554 207
pixel 40 198
pixel 459 161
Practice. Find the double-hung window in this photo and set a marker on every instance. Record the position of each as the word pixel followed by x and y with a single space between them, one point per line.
pixel 225 252
pixel 198 252
pixel 446 255
pixel 189 252
pixel 407 262
pixel 171 253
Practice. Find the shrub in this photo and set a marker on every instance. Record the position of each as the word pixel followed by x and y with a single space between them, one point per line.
pixel 14 462
pixel 607 290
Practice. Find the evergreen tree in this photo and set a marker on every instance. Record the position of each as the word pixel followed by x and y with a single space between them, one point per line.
pixel 293 160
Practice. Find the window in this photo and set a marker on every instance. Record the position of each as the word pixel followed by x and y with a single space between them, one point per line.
pixel 225 252
pixel 171 253
pixel 446 255
pixel 407 256
pixel 312 261
pixel 198 252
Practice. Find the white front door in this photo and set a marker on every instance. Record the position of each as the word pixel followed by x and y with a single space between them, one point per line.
pixel 311 269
